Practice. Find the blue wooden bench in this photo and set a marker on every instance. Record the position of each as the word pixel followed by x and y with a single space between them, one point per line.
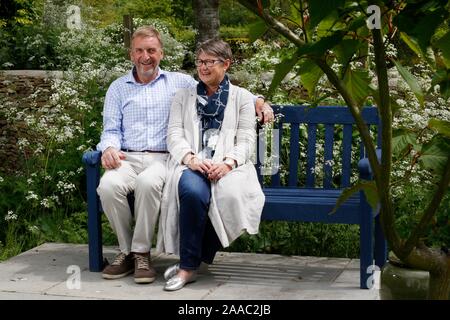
pixel 299 195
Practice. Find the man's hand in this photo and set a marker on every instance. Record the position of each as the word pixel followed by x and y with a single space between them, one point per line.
pixel 111 158
pixel 264 111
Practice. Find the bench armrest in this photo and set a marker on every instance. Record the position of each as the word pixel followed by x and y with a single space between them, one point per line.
pixel 365 171
pixel 92 158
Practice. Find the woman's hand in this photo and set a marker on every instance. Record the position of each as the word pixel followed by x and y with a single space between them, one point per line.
pixel 218 171
pixel 201 166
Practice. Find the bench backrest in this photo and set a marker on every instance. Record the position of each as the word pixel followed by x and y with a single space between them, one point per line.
pixel 301 132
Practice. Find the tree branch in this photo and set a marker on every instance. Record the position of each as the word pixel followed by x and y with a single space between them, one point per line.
pixel 332 76
pixel 278 26
pixel 428 213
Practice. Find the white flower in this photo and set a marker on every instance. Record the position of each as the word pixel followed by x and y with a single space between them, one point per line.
pixel 31 196
pixel 45 203
pixel 10 216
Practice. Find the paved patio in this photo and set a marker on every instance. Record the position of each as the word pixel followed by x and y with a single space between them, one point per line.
pixel 50 271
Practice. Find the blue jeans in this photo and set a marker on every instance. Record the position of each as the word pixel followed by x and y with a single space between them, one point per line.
pixel 198 239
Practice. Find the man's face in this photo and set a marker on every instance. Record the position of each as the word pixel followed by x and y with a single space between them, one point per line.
pixel 146 53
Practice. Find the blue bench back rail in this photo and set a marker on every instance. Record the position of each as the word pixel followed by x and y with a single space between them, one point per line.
pixel 299 195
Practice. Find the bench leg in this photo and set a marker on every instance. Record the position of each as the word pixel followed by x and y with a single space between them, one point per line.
pixel 366 245
pixel 94 222
pixel 380 244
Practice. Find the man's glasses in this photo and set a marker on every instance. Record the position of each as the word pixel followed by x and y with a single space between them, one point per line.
pixel 208 63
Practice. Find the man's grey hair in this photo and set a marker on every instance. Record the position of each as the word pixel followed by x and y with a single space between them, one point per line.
pixel 147 31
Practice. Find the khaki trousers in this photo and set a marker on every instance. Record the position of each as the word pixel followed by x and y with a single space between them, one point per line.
pixel 145 174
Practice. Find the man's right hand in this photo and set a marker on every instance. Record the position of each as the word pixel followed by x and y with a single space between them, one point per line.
pixel 111 158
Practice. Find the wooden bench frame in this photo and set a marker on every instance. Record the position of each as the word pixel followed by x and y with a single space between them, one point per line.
pixel 292 203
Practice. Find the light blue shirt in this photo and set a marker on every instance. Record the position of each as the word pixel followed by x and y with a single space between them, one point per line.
pixel 136 115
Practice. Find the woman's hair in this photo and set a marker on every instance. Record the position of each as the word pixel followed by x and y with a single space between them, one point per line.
pixel 147 31
pixel 215 47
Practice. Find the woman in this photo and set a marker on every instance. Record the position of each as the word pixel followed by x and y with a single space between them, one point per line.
pixel 214 189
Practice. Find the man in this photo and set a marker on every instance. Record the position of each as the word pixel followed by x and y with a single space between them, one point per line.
pixel 134 151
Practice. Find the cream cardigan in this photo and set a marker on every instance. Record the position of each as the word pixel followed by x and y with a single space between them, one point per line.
pixel 236 199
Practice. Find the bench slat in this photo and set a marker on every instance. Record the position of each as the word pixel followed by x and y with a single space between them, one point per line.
pixel 346 155
pixel 328 156
pixel 324 114
pixel 275 181
pixel 309 205
pixel 311 155
pixel 294 148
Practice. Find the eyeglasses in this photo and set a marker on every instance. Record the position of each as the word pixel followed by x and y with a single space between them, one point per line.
pixel 208 63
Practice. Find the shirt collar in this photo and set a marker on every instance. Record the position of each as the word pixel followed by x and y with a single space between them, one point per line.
pixel 130 76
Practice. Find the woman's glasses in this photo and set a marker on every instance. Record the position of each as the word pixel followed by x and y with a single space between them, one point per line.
pixel 208 63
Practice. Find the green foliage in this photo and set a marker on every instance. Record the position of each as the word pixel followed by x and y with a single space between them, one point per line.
pixel 306 239
pixel 232 13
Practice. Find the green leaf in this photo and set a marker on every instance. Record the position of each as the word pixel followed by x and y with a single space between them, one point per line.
pixel 310 74
pixel 444 44
pixel 318 10
pixel 346 49
pixel 401 139
pixel 411 81
pixel 412 44
pixel 282 69
pixel 357 82
pixel 320 47
pixel 256 30
pixel 442 78
pixel 434 154
pixel 370 191
pixel 441 126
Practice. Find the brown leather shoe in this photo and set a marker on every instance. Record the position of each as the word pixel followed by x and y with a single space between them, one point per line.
pixel 143 270
pixel 122 265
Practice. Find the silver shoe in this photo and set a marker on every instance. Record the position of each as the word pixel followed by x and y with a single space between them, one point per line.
pixel 176 282
pixel 171 271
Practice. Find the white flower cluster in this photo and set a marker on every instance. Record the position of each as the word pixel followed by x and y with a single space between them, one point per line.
pixel 65 187
pixel 10 216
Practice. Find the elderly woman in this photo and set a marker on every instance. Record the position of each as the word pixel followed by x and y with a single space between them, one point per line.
pixel 213 195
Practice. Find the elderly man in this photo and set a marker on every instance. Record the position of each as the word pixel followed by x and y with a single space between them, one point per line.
pixel 134 151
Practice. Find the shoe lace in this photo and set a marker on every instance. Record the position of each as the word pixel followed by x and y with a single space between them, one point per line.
pixel 142 262
pixel 119 259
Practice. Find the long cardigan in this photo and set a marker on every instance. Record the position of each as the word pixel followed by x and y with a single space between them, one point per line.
pixel 236 199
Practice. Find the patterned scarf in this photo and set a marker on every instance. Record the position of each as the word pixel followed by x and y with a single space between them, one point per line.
pixel 210 111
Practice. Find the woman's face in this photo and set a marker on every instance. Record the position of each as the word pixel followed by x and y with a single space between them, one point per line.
pixel 211 69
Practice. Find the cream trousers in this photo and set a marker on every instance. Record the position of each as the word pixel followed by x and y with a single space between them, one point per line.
pixel 145 174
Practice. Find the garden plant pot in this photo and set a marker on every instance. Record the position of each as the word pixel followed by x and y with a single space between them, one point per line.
pixel 398 282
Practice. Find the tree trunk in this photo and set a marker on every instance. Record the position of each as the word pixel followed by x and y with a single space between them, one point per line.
pixel 207 21
pixel 437 263
pixel 439 288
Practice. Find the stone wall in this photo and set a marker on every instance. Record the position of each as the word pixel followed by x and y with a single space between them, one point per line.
pixel 17 86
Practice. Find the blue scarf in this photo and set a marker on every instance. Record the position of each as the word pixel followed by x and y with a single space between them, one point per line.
pixel 210 111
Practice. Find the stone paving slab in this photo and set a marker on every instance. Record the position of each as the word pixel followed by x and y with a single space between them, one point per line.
pixel 42 273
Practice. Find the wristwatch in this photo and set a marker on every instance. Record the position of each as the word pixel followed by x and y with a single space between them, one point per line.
pixel 230 162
